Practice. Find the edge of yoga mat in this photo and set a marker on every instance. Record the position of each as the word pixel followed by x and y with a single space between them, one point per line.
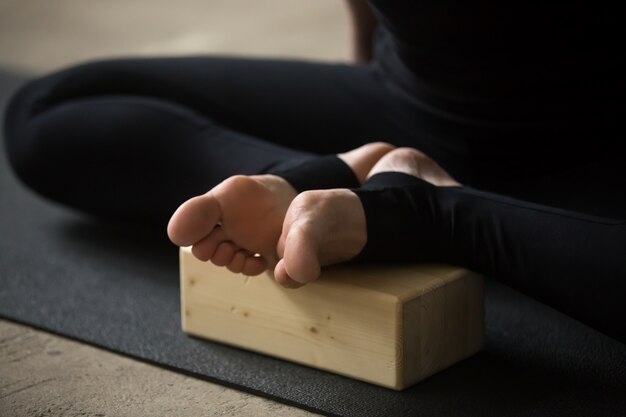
pixel 558 366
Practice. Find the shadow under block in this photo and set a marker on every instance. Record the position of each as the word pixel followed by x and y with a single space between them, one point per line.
pixel 387 325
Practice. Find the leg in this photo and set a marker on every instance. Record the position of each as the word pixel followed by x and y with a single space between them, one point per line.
pixel 134 138
pixel 131 158
pixel 567 259
pixel 237 223
pixel 329 227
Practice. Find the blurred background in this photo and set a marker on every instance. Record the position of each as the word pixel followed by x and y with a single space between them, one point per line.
pixel 37 36
pixel 44 374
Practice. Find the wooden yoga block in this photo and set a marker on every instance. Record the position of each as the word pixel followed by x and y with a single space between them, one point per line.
pixel 388 325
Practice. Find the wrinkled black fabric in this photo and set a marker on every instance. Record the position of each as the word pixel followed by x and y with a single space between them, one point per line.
pixel 572 261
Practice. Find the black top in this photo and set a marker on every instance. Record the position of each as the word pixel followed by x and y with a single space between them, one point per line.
pixel 549 72
pixel 503 60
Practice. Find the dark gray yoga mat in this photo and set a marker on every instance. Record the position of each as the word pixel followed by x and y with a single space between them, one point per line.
pixel 117 287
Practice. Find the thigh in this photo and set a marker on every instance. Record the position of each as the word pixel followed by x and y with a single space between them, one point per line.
pixel 595 186
pixel 128 157
pixel 315 107
pixel 177 126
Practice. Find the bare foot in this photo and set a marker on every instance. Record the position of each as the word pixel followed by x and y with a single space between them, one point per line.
pixel 413 162
pixel 328 226
pixel 238 223
pixel 363 158
pixel 321 227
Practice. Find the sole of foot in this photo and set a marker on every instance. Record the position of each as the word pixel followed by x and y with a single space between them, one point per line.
pixel 321 228
pixel 237 224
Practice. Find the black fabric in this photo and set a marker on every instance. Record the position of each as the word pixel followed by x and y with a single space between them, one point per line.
pixel 132 139
pixel 570 260
pixel 508 88
pixel 116 287
pixel 317 173
pixel 494 62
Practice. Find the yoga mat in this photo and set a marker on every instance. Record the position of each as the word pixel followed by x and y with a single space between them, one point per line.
pixel 116 287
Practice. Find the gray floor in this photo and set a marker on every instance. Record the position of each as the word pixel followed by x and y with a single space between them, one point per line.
pixel 46 375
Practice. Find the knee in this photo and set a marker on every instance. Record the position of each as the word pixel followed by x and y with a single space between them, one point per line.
pixel 23 133
pixel 43 93
pixel 37 95
pixel 18 115
pixel 19 108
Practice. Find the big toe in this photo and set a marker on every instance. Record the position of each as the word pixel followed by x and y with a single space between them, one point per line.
pixel 282 277
pixel 205 248
pixel 193 220
pixel 301 259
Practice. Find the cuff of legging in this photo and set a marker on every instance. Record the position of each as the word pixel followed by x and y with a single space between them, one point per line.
pixel 391 179
pixel 397 230
pixel 317 173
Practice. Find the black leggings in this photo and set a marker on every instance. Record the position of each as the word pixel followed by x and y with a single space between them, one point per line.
pixel 132 139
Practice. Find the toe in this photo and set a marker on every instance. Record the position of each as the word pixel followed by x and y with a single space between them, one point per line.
pixel 237 263
pixel 193 220
pixel 224 253
pixel 205 248
pixel 301 261
pixel 282 277
pixel 254 265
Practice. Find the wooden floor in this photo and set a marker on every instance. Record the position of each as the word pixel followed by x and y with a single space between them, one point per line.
pixel 46 375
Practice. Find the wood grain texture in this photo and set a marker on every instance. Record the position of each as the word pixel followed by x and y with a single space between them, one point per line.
pixel 45 375
pixel 388 325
